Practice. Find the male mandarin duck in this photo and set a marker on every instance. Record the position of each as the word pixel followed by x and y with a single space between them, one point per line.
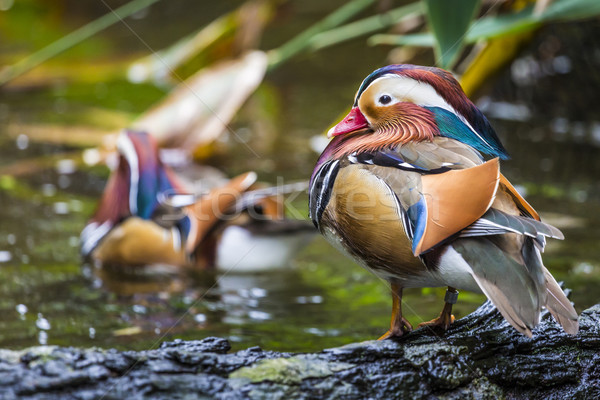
pixel 126 227
pixel 403 189
pixel 133 227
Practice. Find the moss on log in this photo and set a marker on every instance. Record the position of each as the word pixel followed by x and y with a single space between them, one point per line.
pixel 480 357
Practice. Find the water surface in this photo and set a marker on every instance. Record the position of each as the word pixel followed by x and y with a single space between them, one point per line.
pixel 544 107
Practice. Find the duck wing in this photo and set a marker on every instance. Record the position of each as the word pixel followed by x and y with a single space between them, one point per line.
pixel 442 185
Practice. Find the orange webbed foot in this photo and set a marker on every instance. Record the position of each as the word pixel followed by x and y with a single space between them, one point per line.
pixel 441 323
pixel 398 331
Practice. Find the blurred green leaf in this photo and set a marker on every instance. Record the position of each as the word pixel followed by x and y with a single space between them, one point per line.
pixel 449 22
pixel 497 26
pixel 502 25
pixel 560 10
pixel 414 40
pixel 303 40
pixel 7 182
pixel 73 38
pixel 366 25
pixel 564 10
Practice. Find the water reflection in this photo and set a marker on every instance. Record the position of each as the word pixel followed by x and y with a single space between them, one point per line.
pixel 168 302
pixel 142 280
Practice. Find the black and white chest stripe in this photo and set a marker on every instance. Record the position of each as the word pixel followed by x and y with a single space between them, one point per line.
pixel 323 181
pixel 320 190
pixel 390 159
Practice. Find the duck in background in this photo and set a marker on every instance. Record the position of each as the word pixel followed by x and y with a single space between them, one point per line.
pixel 404 190
pixel 260 237
pixel 253 234
pixel 134 225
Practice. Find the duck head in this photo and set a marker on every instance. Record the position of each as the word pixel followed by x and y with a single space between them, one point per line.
pixel 401 103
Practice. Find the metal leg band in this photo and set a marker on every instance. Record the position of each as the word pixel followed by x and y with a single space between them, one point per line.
pixel 451 297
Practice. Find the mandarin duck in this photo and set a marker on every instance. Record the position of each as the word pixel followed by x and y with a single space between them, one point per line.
pixel 403 189
pixel 135 225
pixel 254 234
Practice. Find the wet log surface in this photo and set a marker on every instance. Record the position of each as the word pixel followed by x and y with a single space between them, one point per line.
pixel 480 357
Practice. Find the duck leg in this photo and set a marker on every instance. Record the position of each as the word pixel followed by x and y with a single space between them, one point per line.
pixel 399 325
pixel 446 318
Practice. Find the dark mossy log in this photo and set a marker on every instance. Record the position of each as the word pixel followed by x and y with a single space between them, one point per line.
pixel 480 357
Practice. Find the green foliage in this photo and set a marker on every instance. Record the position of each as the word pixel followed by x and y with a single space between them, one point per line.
pixel 365 26
pixel 449 22
pixel 331 21
pixel 72 39
pixel 450 31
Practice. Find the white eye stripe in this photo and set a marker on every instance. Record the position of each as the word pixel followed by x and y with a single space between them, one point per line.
pixel 407 89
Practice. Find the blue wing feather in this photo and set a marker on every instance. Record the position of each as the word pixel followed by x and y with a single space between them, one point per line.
pixel 417 213
pixel 148 189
